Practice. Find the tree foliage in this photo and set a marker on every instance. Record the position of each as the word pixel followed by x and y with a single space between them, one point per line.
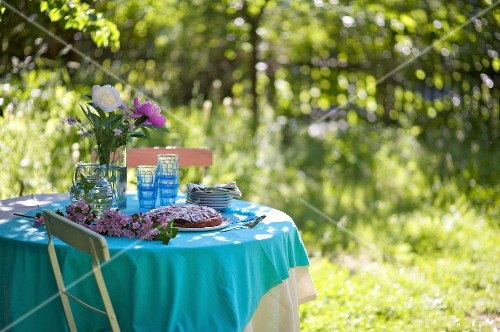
pixel 411 63
pixel 417 65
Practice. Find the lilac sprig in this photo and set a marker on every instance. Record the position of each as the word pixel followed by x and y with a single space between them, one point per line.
pixel 143 226
pixel 81 213
pixel 112 223
pixel 119 224
pixel 39 219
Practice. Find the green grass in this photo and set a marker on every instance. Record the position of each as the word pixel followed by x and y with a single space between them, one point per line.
pixel 432 270
pixel 400 242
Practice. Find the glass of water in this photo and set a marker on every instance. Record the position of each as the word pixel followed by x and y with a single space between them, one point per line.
pixel 147 186
pixel 168 178
pixel 168 185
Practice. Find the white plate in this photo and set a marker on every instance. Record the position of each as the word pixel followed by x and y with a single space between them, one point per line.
pixel 222 208
pixel 208 200
pixel 203 201
pixel 217 207
pixel 194 199
pixel 222 195
pixel 209 196
pixel 225 222
pixel 208 203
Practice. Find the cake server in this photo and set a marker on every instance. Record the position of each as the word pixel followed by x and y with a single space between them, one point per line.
pixel 249 224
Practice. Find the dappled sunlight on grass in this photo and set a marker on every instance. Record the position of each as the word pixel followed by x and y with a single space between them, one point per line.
pixel 441 274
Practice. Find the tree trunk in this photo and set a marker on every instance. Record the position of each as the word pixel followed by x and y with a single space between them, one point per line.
pixel 254 21
pixel 253 74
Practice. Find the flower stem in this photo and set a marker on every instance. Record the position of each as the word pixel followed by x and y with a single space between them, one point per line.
pixel 23 215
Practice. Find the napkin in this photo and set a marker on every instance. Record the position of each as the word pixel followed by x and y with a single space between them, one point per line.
pixel 229 188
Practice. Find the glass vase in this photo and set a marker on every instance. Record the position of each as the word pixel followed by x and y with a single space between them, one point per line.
pixel 90 185
pixel 116 172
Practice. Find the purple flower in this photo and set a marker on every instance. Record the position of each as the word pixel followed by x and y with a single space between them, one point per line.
pixel 39 220
pixel 71 121
pixel 87 134
pixel 150 110
pixel 81 213
pixel 112 222
pixel 117 131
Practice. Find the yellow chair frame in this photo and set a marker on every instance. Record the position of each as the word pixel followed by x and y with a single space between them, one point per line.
pixel 88 242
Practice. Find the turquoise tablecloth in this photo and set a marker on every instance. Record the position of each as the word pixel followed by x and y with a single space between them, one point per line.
pixel 201 281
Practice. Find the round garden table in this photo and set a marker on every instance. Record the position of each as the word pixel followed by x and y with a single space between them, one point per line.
pixel 239 280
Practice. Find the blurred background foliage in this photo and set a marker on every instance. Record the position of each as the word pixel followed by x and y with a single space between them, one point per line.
pixel 373 118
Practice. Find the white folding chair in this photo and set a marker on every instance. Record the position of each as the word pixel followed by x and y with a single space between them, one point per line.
pixel 88 242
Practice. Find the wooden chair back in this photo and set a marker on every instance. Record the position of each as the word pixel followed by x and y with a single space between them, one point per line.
pixel 188 157
pixel 89 243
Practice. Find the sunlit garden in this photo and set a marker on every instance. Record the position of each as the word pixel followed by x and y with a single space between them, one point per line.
pixel 373 124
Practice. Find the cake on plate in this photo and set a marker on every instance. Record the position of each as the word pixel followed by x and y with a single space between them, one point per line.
pixel 188 215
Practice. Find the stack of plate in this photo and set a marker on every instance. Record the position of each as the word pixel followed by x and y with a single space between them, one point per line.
pixel 216 200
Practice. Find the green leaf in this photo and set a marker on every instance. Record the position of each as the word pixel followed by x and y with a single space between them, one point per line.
pixel 44 6
pixel 167 233
pixel 99 111
pixel 112 119
pixel 137 134
pixel 55 15
pixel 146 133
pixel 86 113
pixel 163 129
pixel 94 118
pixel 140 121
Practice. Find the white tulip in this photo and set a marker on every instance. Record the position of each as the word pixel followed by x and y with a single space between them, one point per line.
pixel 106 98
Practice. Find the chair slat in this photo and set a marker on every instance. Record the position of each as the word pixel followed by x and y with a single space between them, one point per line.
pixel 76 235
pixel 188 157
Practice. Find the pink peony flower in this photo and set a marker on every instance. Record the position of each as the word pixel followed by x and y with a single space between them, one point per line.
pixel 149 110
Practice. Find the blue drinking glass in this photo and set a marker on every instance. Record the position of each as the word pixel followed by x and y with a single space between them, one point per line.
pixel 168 186
pixel 147 186
pixel 168 178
